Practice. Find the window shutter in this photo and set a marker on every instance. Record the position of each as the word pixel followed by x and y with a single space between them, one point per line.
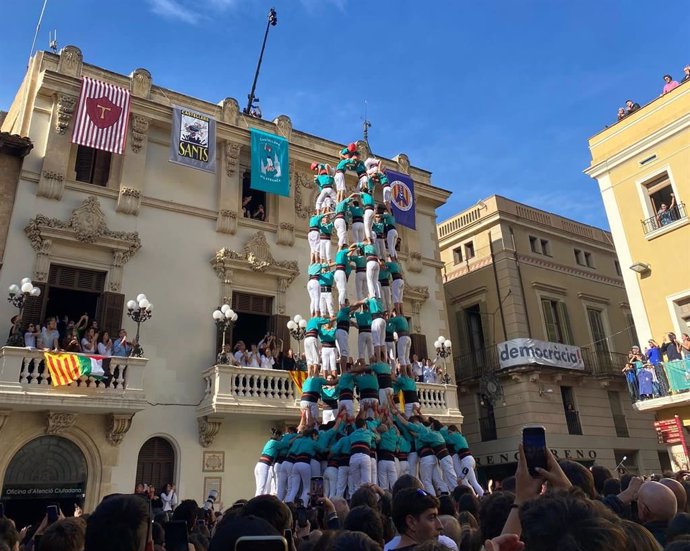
pixel 33 306
pixel 110 310
pixel 156 463
pixel 549 321
pixel 278 327
pixel 565 323
pixel 242 302
pixel 83 165
pixel 101 168
pixel 418 345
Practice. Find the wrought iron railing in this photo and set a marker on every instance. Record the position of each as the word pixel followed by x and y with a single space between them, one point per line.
pixel 661 219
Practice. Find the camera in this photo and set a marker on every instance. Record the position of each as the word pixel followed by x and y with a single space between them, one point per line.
pixel 211 500
pixel 302 516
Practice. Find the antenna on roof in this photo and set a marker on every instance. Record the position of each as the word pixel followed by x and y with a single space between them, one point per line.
pixel 38 27
pixel 52 41
pixel 366 124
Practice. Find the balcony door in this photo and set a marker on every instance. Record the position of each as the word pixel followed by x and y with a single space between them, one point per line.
pixel 156 463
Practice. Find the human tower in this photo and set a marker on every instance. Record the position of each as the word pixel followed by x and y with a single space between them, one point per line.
pixel 384 439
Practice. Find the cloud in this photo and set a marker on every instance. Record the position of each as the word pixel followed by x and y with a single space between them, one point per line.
pixel 172 9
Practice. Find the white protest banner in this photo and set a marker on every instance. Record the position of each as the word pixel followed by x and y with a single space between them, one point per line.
pixel 532 351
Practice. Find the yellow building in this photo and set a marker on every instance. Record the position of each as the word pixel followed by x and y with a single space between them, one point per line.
pixel 514 272
pixel 642 166
pixel 94 229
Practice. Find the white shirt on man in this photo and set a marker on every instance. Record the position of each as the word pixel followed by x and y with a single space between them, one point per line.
pixel 444 540
pixel 267 362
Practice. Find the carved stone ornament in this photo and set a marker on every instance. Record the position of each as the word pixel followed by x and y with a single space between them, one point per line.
pixel 230 110
pixel 232 158
pixel 414 262
pixel 128 200
pixel 51 185
pixel 283 126
pixel 71 61
pixel 140 83
pixel 65 109
pixel 226 221
pixel 140 127
pixel 4 417
pixel 286 234
pixel 87 224
pixel 208 429
pixel 300 183
pixel 420 294
pixel 403 163
pixel 116 427
pixel 60 421
pixel 255 256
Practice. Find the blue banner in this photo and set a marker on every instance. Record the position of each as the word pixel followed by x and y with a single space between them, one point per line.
pixel 402 200
pixel 270 164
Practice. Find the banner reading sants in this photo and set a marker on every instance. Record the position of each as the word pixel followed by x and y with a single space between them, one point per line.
pixel 193 139
pixel 531 351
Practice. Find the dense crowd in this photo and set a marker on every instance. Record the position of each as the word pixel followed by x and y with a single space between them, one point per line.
pixel 660 370
pixel 669 84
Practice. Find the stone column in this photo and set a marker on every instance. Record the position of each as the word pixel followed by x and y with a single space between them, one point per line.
pixel 230 178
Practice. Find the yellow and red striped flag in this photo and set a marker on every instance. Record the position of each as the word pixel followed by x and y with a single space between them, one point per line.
pixel 66 368
pixel 298 377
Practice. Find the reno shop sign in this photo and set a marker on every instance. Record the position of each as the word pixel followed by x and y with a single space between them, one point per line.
pixel 531 351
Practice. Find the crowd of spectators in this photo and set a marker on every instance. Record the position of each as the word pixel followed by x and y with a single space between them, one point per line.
pixel 63 334
pixel 669 84
pixel 660 370
pixel 565 507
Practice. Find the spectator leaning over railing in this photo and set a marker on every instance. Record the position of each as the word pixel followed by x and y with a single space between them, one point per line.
pixel 121 347
pixel 670 84
pixel 631 106
pixel 50 335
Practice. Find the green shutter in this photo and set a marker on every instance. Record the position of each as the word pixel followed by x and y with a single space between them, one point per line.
pixel 564 322
pixel 549 321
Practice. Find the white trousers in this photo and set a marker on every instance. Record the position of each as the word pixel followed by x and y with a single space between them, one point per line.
pixel 328 362
pixel 339 181
pixel 340 279
pixel 261 476
pixel 413 464
pixel 404 344
pixel 311 407
pixel 361 285
pixel 343 342
pixel 357 232
pixel 390 352
pixel 373 269
pixel 387 474
pixel 283 471
pixel 327 415
pixel 301 474
pixel 311 350
pixel 386 296
pixel 368 222
pixel 403 468
pixel 368 405
pixel 380 247
pixel 430 475
pixel 349 406
pixel 314 239
pixel 365 348
pixel 330 482
pixel 397 289
pixel 342 482
pixel 314 290
pixel 327 194
pixel 384 393
pixel 341 228
pixel 378 332
pixel 391 240
pixel 387 194
pixel 360 469
pixel 448 470
pixel 325 249
pixel 327 304
pixel 465 471
pixel 409 409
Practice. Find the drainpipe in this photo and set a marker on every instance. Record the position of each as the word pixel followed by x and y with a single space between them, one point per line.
pixel 522 285
pixel 498 291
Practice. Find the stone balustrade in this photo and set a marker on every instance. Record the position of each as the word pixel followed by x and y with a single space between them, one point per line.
pixel 236 390
pixel 25 380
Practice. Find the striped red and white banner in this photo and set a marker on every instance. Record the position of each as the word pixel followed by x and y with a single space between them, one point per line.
pixel 102 116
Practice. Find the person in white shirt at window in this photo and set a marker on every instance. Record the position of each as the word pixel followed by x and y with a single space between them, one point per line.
pixel 105 345
pixel 88 341
pixel 267 359
pixel 241 354
pixel 417 368
pixel 169 498
pixel 429 373
pixel 30 336
pixel 253 359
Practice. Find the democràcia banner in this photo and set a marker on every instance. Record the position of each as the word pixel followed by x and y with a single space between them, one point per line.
pixel 532 351
pixel 402 200
pixel 193 139
pixel 270 163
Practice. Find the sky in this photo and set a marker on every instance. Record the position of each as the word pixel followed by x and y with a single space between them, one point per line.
pixel 491 96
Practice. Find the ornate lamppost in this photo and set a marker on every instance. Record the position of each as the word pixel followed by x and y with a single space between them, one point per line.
pixel 443 350
pixel 225 318
pixel 298 330
pixel 17 296
pixel 140 310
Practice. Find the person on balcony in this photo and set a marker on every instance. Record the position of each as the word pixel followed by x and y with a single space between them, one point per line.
pixel 71 341
pixel 670 84
pixel 621 113
pixel 645 378
pixel 665 214
pixel 105 345
pixel 631 106
pixel 267 360
pixel 253 358
pixel 30 335
pixel 686 75
pixel 169 498
pixel 121 347
pixel 50 336
pixel 89 341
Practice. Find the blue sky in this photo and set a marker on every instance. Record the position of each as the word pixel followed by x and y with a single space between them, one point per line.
pixel 493 96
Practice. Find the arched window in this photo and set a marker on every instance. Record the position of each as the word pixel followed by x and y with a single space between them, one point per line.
pixel 156 463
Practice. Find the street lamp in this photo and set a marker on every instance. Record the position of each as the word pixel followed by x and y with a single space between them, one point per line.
pixel 17 296
pixel 272 22
pixel 298 330
pixel 140 310
pixel 443 349
pixel 225 318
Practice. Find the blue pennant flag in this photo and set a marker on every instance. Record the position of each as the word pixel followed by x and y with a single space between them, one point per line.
pixel 403 200
pixel 270 163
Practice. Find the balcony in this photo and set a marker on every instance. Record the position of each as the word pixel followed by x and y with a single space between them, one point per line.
pixel 670 388
pixel 662 222
pixel 271 393
pixel 25 385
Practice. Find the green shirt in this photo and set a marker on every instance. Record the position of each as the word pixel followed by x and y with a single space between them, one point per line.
pixel 368 249
pixel 304 446
pixel 359 260
pixel 346 382
pixel 404 383
pixel 393 267
pixel 389 440
pixel 327 335
pixel 326 229
pixel 315 221
pixel 384 274
pixel 315 323
pixel 400 324
pixel 376 306
pixel 326 279
pixel 314 269
pixel 367 200
pixel 363 319
pixel 314 384
pixel 356 212
pixel 271 448
pixel 324 180
pixel 342 257
pixel 367 381
pixel 378 229
pixel 341 447
pixel 343 317
pixel 342 207
pixel 362 436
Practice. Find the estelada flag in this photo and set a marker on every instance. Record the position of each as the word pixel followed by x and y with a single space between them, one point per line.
pixel 66 368
pixel 298 377
pixel 102 115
